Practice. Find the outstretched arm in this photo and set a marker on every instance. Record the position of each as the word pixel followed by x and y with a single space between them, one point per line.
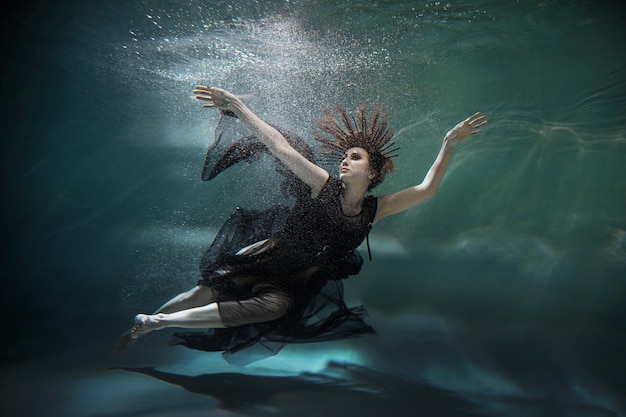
pixel 409 197
pixel 312 175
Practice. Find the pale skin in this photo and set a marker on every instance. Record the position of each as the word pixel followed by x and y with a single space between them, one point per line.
pixel 195 308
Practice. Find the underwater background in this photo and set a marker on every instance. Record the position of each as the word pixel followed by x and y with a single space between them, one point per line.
pixel 504 295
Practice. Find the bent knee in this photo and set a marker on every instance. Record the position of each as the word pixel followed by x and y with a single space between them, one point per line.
pixel 198 296
pixel 277 304
pixel 258 309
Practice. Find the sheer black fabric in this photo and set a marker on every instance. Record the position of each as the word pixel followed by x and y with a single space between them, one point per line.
pixel 325 318
pixel 233 144
pixel 301 248
pixel 242 228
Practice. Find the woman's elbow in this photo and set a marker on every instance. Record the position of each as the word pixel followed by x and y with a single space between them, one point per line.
pixel 429 190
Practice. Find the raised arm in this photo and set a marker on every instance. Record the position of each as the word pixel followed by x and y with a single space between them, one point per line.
pixel 409 197
pixel 312 175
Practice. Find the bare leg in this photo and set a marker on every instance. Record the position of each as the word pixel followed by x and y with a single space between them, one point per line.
pixel 200 295
pixel 192 309
pixel 203 317
pixel 260 308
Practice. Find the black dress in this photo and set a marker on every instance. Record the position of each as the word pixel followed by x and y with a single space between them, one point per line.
pixel 297 256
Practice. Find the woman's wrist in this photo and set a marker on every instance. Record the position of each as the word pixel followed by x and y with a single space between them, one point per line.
pixel 237 106
pixel 450 140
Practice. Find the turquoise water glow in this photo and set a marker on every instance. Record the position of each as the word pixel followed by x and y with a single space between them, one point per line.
pixel 506 289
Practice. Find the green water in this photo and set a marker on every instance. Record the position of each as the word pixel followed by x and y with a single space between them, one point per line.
pixel 507 287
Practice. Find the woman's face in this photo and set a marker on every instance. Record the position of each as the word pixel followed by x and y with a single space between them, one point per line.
pixel 355 165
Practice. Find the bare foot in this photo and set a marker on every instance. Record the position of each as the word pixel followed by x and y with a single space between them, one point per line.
pixel 144 324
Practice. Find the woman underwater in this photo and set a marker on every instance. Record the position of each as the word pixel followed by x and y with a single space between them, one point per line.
pixel 266 278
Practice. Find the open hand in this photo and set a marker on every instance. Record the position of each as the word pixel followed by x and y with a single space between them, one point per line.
pixel 467 127
pixel 216 97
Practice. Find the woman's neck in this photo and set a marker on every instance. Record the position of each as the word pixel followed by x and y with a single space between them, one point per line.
pixel 352 199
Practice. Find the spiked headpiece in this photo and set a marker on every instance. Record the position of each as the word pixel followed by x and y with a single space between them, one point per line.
pixel 373 135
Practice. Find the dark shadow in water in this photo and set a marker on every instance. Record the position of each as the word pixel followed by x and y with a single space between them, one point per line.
pixel 344 390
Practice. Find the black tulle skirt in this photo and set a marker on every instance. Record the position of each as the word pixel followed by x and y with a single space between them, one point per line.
pixel 318 314
pixel 325 318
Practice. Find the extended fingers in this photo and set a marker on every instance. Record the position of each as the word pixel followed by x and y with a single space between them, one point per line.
pixel 481 121
pixel 204 93
pixel 211 104
pixel 204 89
pixel 476 127
pixel 476 121
pixel 477 117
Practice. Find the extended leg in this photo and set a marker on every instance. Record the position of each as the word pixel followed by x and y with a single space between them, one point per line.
pixel 198 296
pixel 260 308
pixel 192 309
pixel 203 317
